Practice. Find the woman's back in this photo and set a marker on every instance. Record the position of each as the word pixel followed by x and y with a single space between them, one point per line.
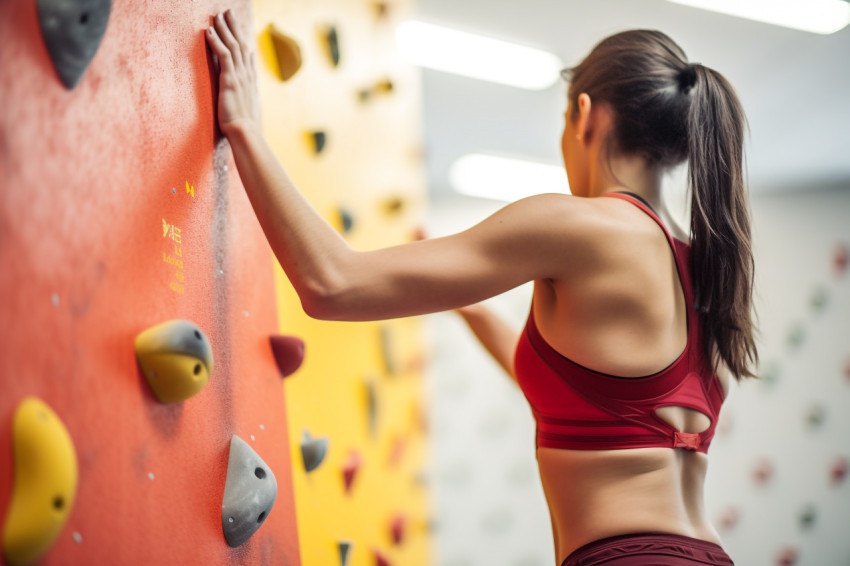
pixel 624 315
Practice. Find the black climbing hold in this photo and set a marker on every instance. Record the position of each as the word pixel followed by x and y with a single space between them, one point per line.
pixel 332 45
pixel 319 139
pixel 346 219
pixel 72 31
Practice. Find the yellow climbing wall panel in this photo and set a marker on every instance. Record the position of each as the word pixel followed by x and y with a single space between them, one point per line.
pixel 368 105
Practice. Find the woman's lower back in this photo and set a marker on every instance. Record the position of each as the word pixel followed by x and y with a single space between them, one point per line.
pixel 603 493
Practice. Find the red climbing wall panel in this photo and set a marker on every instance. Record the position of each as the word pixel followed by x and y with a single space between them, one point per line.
pixel 120 208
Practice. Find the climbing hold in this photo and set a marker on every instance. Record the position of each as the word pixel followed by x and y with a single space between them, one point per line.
pixel 249 493
pixel 382 9
pixel 344 549
pixel 398 528
pixel 282 53
pixel 380 559
pixel 808 516
pixel 45 482
pixel 330 42
pixel 316 141
pixel 392 205
pixel 840 259
pixel 770 375
pixel 787 556
pixel 288 353
pixel 729 518
pixel 383 86
pixel 72 32
pixel 346 220
pixel 371 395
pixel 838 471
pixel 313 451
pixel 388 350
pixel 176 359
pixel 819 300
pixel 815 415
pixel 796 335
pixel 397 450
pixel 350 469
pixel 762 471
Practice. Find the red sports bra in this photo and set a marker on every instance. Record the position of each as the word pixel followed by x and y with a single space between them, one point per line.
pixel 578 408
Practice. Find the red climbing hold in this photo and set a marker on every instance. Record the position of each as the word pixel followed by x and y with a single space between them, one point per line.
pixel 350 469
pixel 380 559
pixel 838 471
pixel 840 259
pixel 288 353
pixel 763 471
pixel 397 529
pixel 787 556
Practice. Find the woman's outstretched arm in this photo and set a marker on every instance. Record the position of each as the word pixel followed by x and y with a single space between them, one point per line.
pixel 493 333
pixel 527 240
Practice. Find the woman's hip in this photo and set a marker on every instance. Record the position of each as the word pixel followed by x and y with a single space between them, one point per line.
pixel 640 549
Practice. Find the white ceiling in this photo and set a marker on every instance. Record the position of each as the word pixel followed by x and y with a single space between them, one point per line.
pixel 795 86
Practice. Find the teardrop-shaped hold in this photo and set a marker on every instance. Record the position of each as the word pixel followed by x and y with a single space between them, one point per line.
pixel 176 359
pixel 72 31
pixel 330 42
pixel 288 353
pixel 313 451
pixel 344 550
pixel 840 259
pixel 808 516
pixel 350 469
pixel 316 141
pixel 250 491
pixel 787 556
pixel 815 415
pixel 45 482
pixel 380 559
pixel 282 53
pixel 398 528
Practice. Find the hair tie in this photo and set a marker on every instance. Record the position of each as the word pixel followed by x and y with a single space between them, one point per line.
pixel 688 77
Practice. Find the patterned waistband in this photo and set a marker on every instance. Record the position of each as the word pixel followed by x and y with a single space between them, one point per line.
pixel 689 550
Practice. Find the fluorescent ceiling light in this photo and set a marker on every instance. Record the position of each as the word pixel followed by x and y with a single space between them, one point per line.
pixel 452 51
pixel 816 16
pixel 504 178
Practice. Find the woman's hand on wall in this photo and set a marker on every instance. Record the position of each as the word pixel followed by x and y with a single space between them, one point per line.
pixel 238 104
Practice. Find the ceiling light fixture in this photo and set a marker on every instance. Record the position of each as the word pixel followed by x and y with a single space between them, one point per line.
pixel 816 16
pixel 504 178
pixel 461 53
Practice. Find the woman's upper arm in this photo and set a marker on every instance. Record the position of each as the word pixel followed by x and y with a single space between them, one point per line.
pixel 531 239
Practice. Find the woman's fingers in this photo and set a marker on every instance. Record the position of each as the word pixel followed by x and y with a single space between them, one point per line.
pixel 226 36
pixel 237 34
pixel 225 59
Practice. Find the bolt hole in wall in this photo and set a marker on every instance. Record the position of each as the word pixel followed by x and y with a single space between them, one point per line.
pixel 261 517
pixel 198 335
pixel 197 369
pixel 58 503
pixel 260 473
pixel 84 18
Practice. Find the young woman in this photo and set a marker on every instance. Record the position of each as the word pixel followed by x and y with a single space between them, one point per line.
pixel 629 326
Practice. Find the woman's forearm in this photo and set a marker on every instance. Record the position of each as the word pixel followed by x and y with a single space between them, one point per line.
pixel 495 335
pixel 310 251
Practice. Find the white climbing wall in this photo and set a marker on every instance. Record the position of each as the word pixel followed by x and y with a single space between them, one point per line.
pixel 488 501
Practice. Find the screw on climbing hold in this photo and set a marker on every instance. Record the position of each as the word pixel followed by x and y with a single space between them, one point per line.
pixel 72 32
pixel 330 44
pixel 313 451
pixel 288 353
pixel 250 491
pixel 344 551
pixel 281 52
pixel 175 358
pixel 45 482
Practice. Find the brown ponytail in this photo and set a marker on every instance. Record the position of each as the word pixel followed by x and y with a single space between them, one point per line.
pixel 721 250
pixel 667 110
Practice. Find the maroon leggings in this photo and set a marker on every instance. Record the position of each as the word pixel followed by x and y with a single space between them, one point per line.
pixel 657 549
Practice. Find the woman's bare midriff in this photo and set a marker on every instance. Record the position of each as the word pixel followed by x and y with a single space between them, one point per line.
pixel 601 493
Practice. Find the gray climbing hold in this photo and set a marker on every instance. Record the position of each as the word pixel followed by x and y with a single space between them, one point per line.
pixel 249 493
pixel 72 30
pixel 313 451
pixel 344 550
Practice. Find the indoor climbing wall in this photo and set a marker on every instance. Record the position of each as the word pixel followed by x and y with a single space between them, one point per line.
pixel 342 112
pixel 142 414
pixel 778 489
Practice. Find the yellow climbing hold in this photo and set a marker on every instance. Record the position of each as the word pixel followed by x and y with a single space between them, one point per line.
pixel 281 53
pixel 45 484
pixel 175 358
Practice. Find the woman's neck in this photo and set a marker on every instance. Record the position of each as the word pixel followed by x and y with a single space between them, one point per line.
pixel 627 173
